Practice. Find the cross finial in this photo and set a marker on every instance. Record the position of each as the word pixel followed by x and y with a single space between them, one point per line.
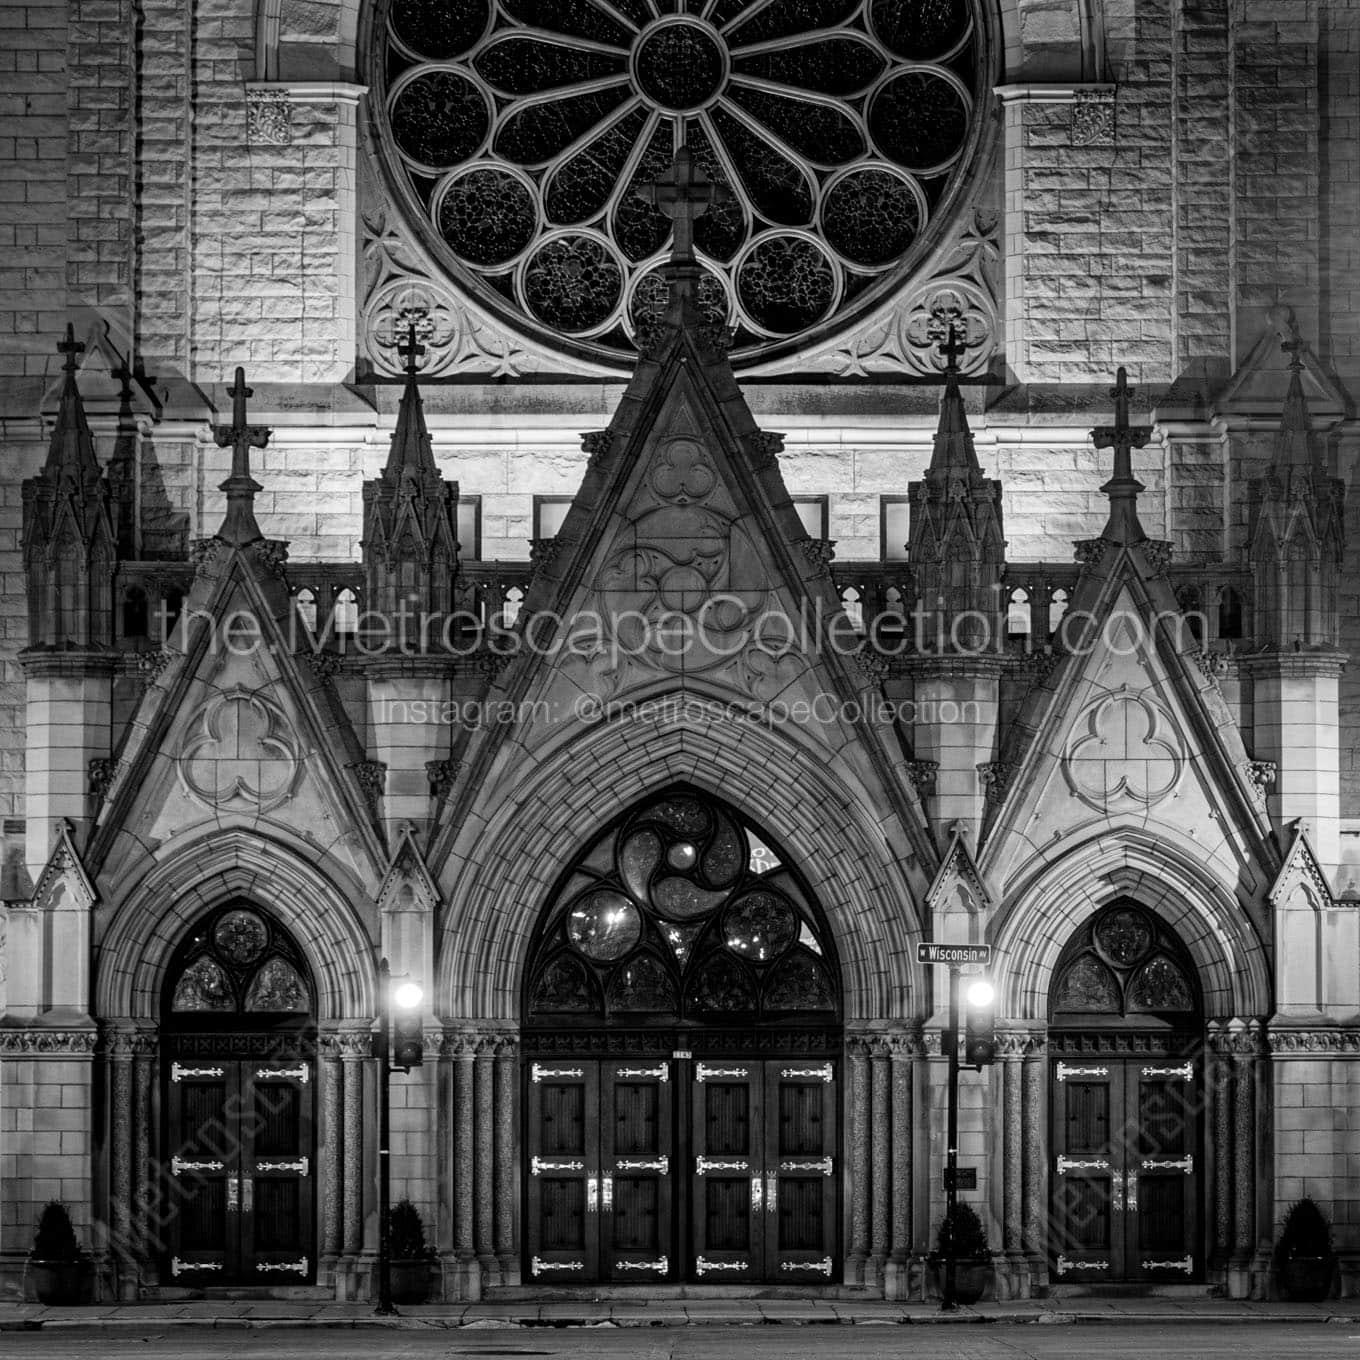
pixel 239 526
pixel 951 345
pixel 70 347
pixel 1123 487
pixel 411 349
pixel 683 194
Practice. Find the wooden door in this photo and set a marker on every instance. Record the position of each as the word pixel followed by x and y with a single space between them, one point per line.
pixel 1125 1182
pixel 800 1170
pixel 563 1185
pixel 203 1191
pixel 240 1139
pixel 728 1147
pixel 277 1193
pixel 637 1170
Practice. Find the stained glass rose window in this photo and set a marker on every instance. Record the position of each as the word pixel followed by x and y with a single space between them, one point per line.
pixel 519 129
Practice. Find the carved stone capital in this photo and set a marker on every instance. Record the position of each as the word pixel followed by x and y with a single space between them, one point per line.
pixel 819 553
pixel 996 776
pixel 1093 122
pixel 442 774
pixel 922 774
pixel 102 771
pixel 1312 1041
pixel 597 444
pixel 269 118
pixel 371 776
pixel 75 1043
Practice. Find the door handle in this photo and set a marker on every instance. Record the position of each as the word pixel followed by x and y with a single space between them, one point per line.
pixel 247 1194
pixel 607 1193
pixel 1117 1191
pixel 592 1194
pixel 1131 1191
pixel 755 1194
pixel 771 1193
pixel 233 1193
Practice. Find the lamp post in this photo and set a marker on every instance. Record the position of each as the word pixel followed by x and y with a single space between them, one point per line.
pixel 406 996
pixel 980 996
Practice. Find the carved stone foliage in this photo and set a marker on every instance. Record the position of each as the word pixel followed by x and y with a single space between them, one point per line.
pixel 64 1042
pixel 1124 753
pixel 1093 118
pixel 240 749
pixel 268 118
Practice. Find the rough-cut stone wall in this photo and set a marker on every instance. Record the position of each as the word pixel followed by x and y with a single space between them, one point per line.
pixel 32 184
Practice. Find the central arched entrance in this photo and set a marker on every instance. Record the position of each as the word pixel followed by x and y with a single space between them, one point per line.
pixel 239 1077
pixel 682 1040
pixel 1126 1034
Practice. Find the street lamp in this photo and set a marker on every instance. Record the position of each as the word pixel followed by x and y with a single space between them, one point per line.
pixel 405 996
pixel 980 1050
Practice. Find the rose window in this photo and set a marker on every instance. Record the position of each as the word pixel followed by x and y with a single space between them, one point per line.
pixel 521 129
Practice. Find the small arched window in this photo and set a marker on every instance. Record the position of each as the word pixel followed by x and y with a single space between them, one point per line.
pixel 136 616
pixel 238 962
pixel 1018 615
pixel 1057 607
pixel 1229 614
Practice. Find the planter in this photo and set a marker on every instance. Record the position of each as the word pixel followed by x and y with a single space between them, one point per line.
pixel 410 1281
pixel 972 1275
pixel 61 1282
pixel 1307 1279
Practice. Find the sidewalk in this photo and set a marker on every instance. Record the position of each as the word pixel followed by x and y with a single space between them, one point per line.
pixel 676 1313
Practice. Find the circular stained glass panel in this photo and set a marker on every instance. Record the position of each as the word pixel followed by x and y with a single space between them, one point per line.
pixel 240 936
pixel 1123 936
pixel 520 133
pixel 604 925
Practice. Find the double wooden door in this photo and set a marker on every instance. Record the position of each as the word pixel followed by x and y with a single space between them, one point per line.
pixel 681 1169
pixel 240 1162
pixel 1127 1170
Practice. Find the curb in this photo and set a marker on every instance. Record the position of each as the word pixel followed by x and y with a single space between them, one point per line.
pixel 1064 1318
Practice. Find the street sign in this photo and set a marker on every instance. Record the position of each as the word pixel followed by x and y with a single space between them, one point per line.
pixel 953 954
pixel 965 1178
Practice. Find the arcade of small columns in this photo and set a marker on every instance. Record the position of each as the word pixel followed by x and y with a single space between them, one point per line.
pixel 890 1075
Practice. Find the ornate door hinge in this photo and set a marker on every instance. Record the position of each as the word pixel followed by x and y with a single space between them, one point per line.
pixel 296 1267
pixel 825 1165
pixel 537 1073
pixel 1185 1071
pixel 702 1265
pixel 1066 1164
pixel 1064 1071
pixel 1185 1164
pixel 661 1164
pixel 702 1164
pixel 824 1073
pixel 537 1266
pixel 662 1073
pixel 703 1072
pixel 1063 1265
pixel 178 1073
pixel 301 1166
pixel 300 1073
pixel 1186 1263
pixel 537 1166
pixel 177 1166
pixel 822 1267
pixel 178 1267
pixel 661 1266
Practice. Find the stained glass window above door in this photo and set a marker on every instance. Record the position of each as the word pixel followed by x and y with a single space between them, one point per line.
pixel 518 132
pixel 238 960
pixel 681 912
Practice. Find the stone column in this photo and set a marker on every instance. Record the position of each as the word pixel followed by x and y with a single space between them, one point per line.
pixel 1244 1161
pixel 328 1172
pixel 121 1144
pixel 880 1135
pixel 1012 1216
pixel 1218 1083
pixel 145 1236
pixel 897 1271
pixel 506 1067
pixel 858 1171
pixel 484 1219
pixel 443 1043
pixel 1034 1176
pixel 354 1052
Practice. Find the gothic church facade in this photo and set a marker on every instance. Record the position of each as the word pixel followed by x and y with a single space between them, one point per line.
pixel 640 513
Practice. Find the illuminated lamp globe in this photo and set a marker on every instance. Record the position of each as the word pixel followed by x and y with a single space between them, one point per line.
pixel 407 995
pixel 980 993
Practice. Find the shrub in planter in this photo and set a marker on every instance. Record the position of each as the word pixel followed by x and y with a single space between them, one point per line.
pixel 61 1271
pixel 410 1255
pixel 1304 1258
pixel 972 1257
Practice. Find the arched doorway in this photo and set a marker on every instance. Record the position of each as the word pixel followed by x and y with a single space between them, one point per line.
pixel 681 1042
pixel 1127 1097
pixel 239 1045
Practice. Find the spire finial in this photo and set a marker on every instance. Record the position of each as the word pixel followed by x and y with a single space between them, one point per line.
pixel 411 349
pixel 683 194
pixel 70 347
pixel 1123 487
pixel 239 526
pixel 953 458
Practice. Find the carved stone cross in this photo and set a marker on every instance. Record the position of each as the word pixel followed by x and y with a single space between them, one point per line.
pixel 683 194
pixel 239 526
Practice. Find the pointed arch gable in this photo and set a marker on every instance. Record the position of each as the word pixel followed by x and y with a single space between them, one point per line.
pixel 507 860
pixel 1041 913
pixel 154 916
